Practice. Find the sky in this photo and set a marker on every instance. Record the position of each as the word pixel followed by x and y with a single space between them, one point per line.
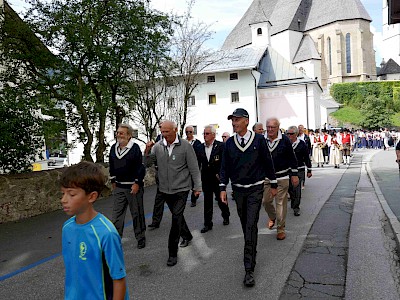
pixel 223 15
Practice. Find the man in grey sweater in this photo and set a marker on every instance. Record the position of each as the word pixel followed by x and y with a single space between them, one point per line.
pixel 177 168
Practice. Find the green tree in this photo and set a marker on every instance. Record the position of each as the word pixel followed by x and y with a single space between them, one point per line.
pixel 96 47
pixel 376 114
pixel 21 141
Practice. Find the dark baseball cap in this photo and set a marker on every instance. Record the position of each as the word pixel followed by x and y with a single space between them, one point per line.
pixel 239 113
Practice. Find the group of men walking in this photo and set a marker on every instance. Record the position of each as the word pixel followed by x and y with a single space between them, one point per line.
pixel 261 167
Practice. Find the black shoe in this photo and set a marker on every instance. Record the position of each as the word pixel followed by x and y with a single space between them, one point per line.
pixel 226 221
pixel 193 204
pixel 172 260
pixel 141 243
pixel 184 243
pixel 205 229
pixel 249 279
pixel 153 226
pixel 296 213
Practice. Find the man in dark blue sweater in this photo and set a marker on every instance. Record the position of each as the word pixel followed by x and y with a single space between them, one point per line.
pixel 300 149
pixel 126 174
pixel 246 162
pixel 285 164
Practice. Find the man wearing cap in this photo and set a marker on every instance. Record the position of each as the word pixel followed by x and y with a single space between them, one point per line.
pixel 246 162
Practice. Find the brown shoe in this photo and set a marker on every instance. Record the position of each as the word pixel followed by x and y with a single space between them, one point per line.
pixel 281 236
pixel 271 224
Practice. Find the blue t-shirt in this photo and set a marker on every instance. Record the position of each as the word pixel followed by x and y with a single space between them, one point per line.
pixel 93 258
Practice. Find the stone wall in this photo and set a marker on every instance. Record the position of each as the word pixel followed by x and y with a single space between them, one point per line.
pixel 30 194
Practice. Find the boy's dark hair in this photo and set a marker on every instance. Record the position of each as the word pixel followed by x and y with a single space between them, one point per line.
pixel 85 175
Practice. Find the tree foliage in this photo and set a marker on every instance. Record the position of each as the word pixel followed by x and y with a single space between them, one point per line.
pixel 354 93
pixel 96 46
pixel 21 141
pixel 375 112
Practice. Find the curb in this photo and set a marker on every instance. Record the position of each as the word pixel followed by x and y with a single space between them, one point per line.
pixel 393 221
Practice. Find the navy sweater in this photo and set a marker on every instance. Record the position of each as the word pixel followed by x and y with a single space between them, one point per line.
pixel 300 149
pixel 248 165
pixel 128 169
pixel 283 156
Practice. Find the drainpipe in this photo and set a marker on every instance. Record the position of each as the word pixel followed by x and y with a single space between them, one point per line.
pixel 307 106
pixel 255 93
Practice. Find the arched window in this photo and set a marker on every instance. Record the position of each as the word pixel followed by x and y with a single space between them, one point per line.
pixel 329 55
pixel 348 53
pixel 259 31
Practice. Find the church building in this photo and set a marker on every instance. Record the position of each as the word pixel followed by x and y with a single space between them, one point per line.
pixel 287 55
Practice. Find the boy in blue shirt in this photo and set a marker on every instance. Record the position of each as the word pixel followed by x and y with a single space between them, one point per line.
pixel 91 246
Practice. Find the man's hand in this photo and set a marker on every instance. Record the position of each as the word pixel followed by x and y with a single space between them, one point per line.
pixel 295 180
pixel 113 185
pixel 273 192
pixel 196 193
pixel 223 197
pixel 134 188
pixel 309 174
pixel 149 145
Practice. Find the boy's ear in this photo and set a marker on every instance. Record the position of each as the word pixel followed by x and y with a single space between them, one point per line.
pixel 93 196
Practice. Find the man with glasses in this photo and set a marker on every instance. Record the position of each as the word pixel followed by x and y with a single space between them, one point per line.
pixel 189 130
pixel 246 162
pixel 225 136
pixel 303 160
pixel 285 164
pixel 210 156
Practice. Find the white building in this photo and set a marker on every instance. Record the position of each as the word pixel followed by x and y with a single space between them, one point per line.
pixel 390 37
pixel 286 55
pixel 289 53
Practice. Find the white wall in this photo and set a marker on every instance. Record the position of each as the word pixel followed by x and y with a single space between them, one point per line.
pixel 289 105
pixel 286 43
pixel 203 113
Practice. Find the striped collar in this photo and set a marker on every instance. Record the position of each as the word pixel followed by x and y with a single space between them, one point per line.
pixel 273 144
pixel 296 143
pixel 120 153
pixel 249 136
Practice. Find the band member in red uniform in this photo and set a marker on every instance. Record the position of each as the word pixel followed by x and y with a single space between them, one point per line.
pixel 346 142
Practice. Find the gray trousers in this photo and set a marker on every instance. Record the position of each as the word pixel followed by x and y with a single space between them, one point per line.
pixel 122 198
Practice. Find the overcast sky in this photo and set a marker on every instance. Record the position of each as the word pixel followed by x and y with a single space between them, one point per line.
pixel 223 15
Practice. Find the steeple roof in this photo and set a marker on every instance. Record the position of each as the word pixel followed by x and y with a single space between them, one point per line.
pixel 391 67
pixel 296 15
pixel 306 50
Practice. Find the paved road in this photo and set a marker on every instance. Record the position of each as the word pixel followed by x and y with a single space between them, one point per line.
pixel 211 268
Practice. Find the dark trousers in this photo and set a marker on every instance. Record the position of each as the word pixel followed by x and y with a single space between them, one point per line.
pixel 177 203
pixel 209 204
pixel 248 202
pixel 295 192
pixel 158 209
pixel 122 198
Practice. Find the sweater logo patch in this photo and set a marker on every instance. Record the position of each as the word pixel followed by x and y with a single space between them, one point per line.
pixel 82 251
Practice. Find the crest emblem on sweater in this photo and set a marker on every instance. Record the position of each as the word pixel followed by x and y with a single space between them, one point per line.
pixel 82 250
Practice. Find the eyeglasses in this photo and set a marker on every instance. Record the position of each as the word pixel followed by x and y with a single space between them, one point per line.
pixel 224 136
pixel 271 127
pixel 290 133
pixel 189 131
pixel 206 133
